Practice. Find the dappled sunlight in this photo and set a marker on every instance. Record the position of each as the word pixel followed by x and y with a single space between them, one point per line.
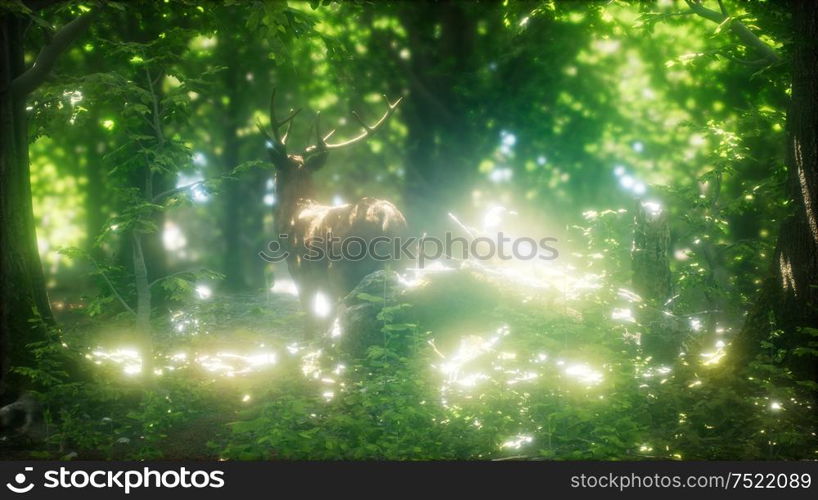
pixel 714 357
pixel 128 359
pixel 186 322
pixel 311 364
pixel 623 314
pixel 583 374
pixel 481 359
pixel 532 264
pixel 471 347
pixel 417 276
pixel 231 364
pixel 517 442
pixel 222 364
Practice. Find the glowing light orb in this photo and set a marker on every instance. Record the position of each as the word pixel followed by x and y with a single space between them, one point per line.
pixel 321 305
pixel 626 181
pixel 653 208
pixel 584 373
pixel 204 292
pixel 517 442
pixel 172 237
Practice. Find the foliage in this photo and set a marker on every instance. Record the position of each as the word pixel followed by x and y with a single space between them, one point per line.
pixel 567 117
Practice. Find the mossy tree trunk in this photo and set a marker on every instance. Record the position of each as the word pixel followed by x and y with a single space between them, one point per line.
pixel 786 311
pixel 25 313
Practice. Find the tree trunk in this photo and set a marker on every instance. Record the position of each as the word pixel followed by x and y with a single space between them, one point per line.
pixel 233 200
pixel 650 267
pixel 789 298
pixel 156 258
pixel 23 296
pixel 143 304
pixel 253 213
pixel 440 145
pixel 231 231
pixel 651 254
pixel 147 182
pixel 94 200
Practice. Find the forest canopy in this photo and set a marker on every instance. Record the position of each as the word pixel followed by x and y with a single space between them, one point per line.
pixel 650 167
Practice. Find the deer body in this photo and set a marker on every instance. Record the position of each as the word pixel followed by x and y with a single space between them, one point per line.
pixel 364 220
pixel 306 227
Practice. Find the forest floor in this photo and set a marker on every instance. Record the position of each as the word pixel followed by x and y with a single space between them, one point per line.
pixel 225 363
pixel 223 348
pixel 252 325
pixel 465 369
pixel 233 346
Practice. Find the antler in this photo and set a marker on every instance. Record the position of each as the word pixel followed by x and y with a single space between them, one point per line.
pixel 321 142
pixel 280 141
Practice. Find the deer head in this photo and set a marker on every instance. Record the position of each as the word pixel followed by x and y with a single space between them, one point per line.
pixel 294 170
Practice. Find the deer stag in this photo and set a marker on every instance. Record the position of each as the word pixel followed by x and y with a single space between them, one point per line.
pixel 300 221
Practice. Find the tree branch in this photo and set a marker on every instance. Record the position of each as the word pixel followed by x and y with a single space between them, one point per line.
pixel 170 192
pixel 723 9
pixel 111 286
pixel 744 34
pixel 756 62
pixel 157 124
pixel 32 78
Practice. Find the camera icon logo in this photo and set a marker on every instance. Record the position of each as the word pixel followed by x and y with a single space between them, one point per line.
pixel 20 478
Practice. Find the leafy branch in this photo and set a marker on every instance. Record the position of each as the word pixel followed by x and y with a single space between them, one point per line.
pixel 76 252
pixel 33 77
pixel 747 37
pixel 239 169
